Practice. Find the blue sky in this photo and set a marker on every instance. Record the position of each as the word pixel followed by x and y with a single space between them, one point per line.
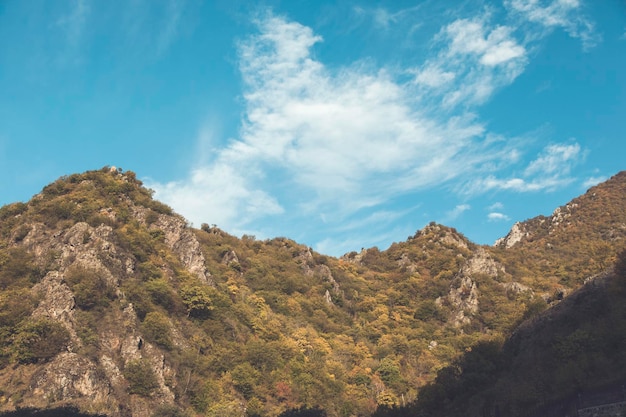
pixel 341 125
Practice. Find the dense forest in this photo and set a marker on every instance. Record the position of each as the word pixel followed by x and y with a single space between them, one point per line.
pixel 569 357
pixel 111 303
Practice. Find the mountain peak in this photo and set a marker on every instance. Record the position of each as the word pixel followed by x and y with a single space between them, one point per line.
pixel 597 214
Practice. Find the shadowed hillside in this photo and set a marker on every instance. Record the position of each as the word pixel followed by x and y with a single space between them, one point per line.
pixel 568 358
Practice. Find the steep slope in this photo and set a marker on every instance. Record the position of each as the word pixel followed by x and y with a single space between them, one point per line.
pixel 578 240
pixel 125 309
pixel 111 303
pixel 568 358
pixel 89 270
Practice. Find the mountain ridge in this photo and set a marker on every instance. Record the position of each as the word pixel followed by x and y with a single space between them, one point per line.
pixel 217 325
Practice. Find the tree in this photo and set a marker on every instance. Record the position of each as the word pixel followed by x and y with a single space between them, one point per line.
pixel 39 340
pixel 198 300
pixel 156 328
pixel 140 377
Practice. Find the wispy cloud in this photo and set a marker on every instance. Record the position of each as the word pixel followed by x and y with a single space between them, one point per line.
pixel 455 213
pixel 476 58
pixel 495 206
pixel 334 142
pixel 548 171
pixel 556 159
pixel 497 217
pixel 383 18
pixel 591 181
pixel 170 28
pixel 72 24
pixel 563 14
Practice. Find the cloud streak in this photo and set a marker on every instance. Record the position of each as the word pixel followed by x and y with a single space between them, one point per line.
pixel 549 171
pixel 563 14
pixel 333 142
pixel 474 60
pixel 497 217
pixel 351 139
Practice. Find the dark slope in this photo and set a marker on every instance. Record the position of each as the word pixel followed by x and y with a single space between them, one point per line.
pixel 569 357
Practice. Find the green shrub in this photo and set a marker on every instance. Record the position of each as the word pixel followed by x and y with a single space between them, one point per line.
pixel 139 297
pixel 245 379
pixel 140 377
pixel 162 294
pixel 198 300
pixel 156 328
pixel 11 210
pixel 90 289
pixel 17 268
pixel 15 305
pixel 148 271
pixel 39 340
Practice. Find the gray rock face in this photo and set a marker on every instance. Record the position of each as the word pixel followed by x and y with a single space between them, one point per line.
pixel 464 293
pixel 514 236
pixel 181 240
pixel 71 376
pixel 464 300
pixel 96 382
pixel 482 263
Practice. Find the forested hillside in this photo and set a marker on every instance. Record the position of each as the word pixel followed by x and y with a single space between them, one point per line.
pixel 568 358
pixel 112 303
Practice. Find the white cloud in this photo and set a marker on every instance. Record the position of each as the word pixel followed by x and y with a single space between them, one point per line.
pixel 549 171
pixel 496 206
pixel 339 140
pixel 555 159
pixel 591 181
pixel 432 76
pixel 350 133
pixel 456 212
pixel 218 194
pixel 496 217
pixel 477 56
pixel 558 13
pixel 470 37
pixel 338 143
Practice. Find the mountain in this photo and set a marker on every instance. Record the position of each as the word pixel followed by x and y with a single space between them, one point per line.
pixel 111 303
pixel 568 360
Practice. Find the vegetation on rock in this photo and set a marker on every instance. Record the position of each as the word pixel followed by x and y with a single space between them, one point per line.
pixel 199 322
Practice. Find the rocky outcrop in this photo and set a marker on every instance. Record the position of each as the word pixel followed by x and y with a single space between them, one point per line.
pixel 71 376
pixel 354 257
pixel 181 240
pixel 464 293
pixel 482 263
pixel 464 301
pixel 407 264
pixel 515 235
pixel 230 258
pixel 96 383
